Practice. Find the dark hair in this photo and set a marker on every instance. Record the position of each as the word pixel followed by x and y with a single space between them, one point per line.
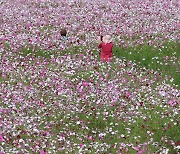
pixel 63 32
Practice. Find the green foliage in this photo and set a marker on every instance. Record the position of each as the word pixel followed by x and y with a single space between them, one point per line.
pixel 36 52
pixel 165 59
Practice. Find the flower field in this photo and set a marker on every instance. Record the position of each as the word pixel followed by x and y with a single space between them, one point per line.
pixel 57 97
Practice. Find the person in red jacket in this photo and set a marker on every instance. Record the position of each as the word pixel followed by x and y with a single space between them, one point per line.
pixel 106 45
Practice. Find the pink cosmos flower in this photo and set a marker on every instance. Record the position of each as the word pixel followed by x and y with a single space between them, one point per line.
pixel 101 79
pixel 1 139
pixel 85 84
pixel 42 152
pixel 81 145
pixel 123 80
pixel 172 103
pixel 89 138
pixel 127 94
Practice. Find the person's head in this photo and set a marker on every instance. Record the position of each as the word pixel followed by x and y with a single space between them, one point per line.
pixel 63 32
pixel 107 39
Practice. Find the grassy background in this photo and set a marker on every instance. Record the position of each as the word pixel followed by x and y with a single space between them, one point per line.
pixel 165 59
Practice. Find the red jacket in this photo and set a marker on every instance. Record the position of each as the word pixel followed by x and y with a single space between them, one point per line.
pixel 106 51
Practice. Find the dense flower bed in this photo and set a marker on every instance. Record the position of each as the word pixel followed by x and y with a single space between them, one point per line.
pixel 39 22
pixel 74 103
